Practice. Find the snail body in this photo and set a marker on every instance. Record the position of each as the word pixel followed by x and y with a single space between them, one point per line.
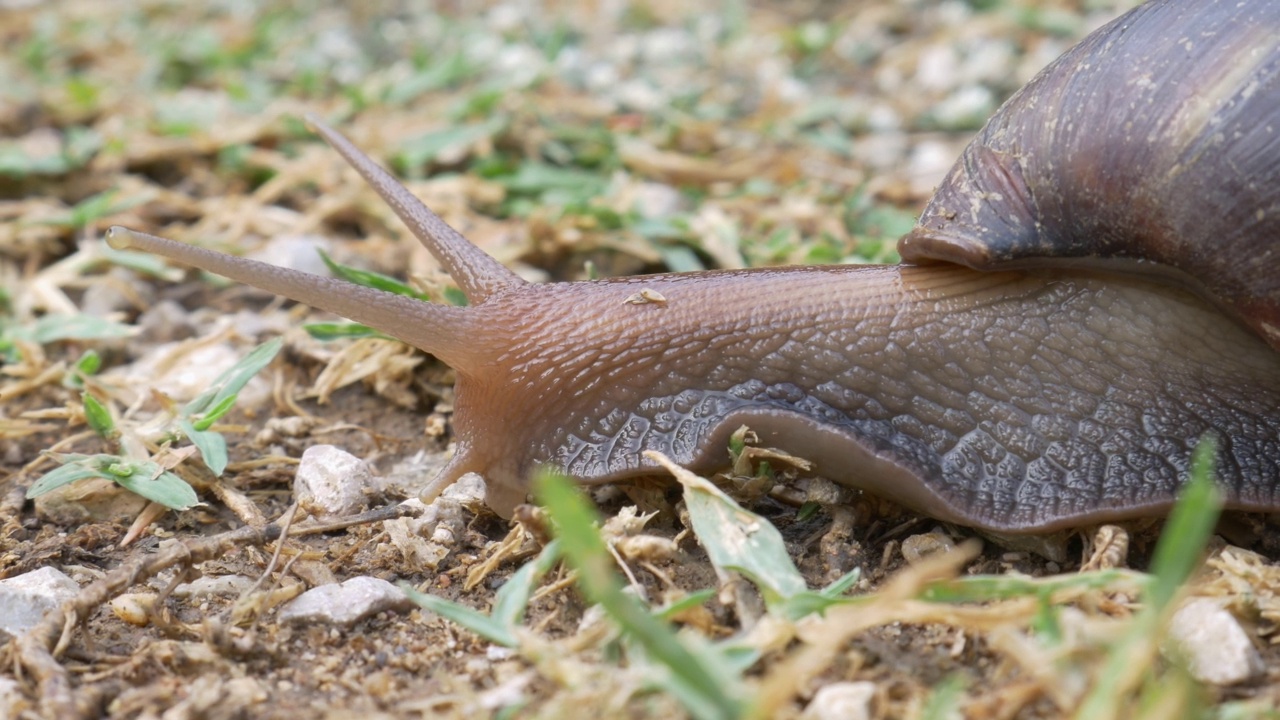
pixel 1019 400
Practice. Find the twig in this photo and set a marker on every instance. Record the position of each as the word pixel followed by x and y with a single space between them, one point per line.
pixel 387 512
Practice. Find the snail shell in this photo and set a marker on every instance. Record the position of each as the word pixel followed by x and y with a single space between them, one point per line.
pixel 1153 146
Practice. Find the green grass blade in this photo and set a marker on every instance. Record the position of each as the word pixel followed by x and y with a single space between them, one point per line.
pixel 71 472
pixel 52 328
pixel 370 279
pixel 1178 553
pixel 487 627
pixel 233 380
pixel 98 417
pixel 212 446
pixel 509 605
pixel 1188 529
pixel 148 480
pixel 741 541
pixel 706 691
pixel 512 599
pixel 338 331
pixel 209 418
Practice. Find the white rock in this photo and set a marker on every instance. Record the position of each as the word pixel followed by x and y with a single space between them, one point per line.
pixel 468 490
pixel 331 481
pixel 841 701
pixel 222 585
pixel 24 599
pixel 345 603
pixel 495 653
pixel 918 548
pixel 1217 650
pixel 89 500
pixel 658 199
pixel 135 608
pixel 966 106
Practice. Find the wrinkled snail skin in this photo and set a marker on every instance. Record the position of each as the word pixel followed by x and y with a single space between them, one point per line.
pixel 1017 401
pixel 1156 140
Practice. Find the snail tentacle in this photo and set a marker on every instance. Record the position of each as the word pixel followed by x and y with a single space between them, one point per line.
pixel 444 331
pixel 477 273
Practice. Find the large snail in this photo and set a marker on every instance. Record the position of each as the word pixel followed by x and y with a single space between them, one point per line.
pixel 1132 188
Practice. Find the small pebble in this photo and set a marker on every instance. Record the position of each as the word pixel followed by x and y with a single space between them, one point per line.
pixel 467 491
pixel 918 547
pixel 204 587
pixel 24 599
pixel 346 603
pixel 88 501
pixel 1216 649
pixel 841 701
pixel 443 522
pixel 331 481
pixel 495 653
pixel 658 199
pixel 134 608
pixel 407 535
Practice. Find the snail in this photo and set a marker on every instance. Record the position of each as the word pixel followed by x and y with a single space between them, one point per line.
pixel 1095 287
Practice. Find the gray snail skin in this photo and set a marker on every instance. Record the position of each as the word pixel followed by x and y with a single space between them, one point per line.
pixel 1095 287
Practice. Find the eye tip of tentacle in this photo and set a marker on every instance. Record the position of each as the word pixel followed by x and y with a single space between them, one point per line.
pixel 120 238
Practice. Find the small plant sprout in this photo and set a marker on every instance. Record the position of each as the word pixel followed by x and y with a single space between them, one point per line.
pixel 142 475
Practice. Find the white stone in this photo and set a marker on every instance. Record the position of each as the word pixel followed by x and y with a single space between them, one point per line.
pixel 345 603
pixel 89 500
pixel 24 599
pixel 331 481
pixel 1216 649
pixel 495 653
pixel 468 490
pixel 841 701
pixel 222 585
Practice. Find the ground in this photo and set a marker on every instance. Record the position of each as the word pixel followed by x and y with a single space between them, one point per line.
pixel 568 139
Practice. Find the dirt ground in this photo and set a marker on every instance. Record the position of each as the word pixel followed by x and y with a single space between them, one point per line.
pixel 566 139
